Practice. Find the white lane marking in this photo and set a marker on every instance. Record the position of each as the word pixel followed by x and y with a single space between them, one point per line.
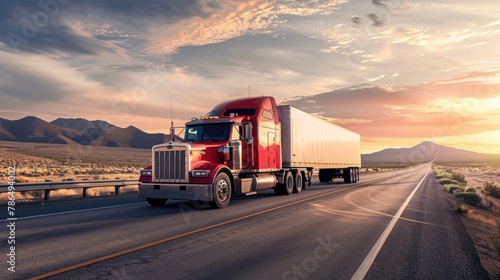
pixel 72 212
pixel 368 261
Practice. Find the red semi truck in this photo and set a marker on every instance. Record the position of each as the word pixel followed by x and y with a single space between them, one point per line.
pixel 248 145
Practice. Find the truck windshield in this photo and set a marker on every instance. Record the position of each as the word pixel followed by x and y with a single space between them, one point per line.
pixel 208 132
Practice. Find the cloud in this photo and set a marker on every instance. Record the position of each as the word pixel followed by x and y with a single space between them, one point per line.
pixel 36 28
pixel 33 79
pixel 231 19
pixel 493 23
pixel 83 27
pixel 485 78
pixel 308 8
pixel 415 111
pixel 142 9
pixel 159 27
pixel 225 20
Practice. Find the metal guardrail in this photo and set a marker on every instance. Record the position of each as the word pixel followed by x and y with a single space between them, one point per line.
pixel 47 187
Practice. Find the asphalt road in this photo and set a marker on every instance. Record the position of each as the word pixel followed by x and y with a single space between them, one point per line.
pixel 390 225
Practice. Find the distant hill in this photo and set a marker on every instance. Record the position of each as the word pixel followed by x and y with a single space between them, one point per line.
pixel 77 131
pixel 80 124
pixel 425 152
pixel 33 129
pixel 101 133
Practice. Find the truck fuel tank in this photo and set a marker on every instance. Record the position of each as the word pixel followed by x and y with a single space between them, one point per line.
pixel 262 181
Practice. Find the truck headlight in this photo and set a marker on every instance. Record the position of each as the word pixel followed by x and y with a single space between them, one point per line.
pixel 145 172
pixel 199 173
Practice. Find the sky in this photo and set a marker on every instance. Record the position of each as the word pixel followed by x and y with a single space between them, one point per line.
pixel 398 72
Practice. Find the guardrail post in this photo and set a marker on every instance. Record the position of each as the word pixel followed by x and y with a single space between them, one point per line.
pixel 46 194
pixel 84 192
pixel 117 189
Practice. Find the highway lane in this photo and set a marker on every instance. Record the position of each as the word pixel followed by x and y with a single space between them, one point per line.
pixel 323 238
pixel 33 210
pixel 429 242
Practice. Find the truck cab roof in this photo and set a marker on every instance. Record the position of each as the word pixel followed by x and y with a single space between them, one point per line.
pixel 263 105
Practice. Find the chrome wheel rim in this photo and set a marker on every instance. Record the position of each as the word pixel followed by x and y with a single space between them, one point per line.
pixel 222 190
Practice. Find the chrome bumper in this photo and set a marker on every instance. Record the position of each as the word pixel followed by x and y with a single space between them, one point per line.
pixel 176 191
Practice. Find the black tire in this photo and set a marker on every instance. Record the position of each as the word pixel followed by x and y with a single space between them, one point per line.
pixel 221 191
pixel 354 175
pixel 279 189
pixel 298 182
pixel 347 175
pixel 322 176
pixel 157 202
pixel 289 184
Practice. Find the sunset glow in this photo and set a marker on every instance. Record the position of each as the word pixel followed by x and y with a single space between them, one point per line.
pixel 397 72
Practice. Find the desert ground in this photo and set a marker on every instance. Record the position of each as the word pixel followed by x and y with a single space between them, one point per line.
pixel 482 222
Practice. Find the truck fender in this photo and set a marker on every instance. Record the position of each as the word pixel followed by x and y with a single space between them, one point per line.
pixel 214 170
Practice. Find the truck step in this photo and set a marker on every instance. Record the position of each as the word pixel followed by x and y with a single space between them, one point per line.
pixel 245 194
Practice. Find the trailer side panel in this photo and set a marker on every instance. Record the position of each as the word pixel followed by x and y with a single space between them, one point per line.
pixel 311 141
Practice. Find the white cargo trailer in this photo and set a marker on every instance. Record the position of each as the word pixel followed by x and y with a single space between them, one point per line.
pixel 248 145
pixel 309 141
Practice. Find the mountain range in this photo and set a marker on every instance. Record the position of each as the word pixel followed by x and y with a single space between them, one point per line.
pixel 77 131
pixel 425 152
pixel 101 133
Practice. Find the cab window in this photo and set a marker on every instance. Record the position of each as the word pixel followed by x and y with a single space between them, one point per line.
pixel 267 114
pixel 239 112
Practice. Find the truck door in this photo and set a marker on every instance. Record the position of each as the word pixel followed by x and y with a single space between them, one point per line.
pixel 271 144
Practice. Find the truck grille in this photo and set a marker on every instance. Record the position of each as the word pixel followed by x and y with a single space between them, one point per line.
pixel 170 164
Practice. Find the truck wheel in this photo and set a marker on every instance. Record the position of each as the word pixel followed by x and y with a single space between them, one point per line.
pixel 156 201
pixel 289 186
pixel 222 191
pixel 299 182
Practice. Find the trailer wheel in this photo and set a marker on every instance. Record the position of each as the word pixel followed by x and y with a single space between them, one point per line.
pixel 221 191
pixel 322 176
pixel 156 201
pixel 347 174
pixel 299 182
pixel 289 183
